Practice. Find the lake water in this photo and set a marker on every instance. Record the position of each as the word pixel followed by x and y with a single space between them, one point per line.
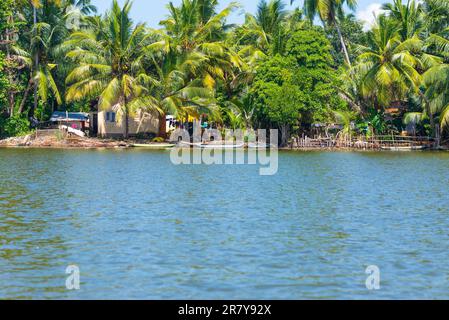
pixel 139 227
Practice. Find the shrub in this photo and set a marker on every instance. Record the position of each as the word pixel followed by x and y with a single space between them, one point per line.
pixel 15 126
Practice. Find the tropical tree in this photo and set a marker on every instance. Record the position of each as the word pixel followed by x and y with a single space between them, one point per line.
pixel 194 28
pixel 329 12
pixel 353 33
pixel 409 17
pixel 270 18
pixel 437 94
pixel 245 109
pixel 298 89
pixel 85 6
pixel 37 4
pixel 265 32
pixel 344 118
pixel 110 57
pixel 412 119
pixel 44 79
pixel 7 72
pixel 436 15
pixel 29 48
pixel 235 119
pixel 386 68
pixel 436 79
pixel 192 49
pixel 172 91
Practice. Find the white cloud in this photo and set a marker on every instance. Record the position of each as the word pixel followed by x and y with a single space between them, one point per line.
pixel 368 16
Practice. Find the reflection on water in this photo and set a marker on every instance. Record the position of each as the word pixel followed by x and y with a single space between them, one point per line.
pixel 139 227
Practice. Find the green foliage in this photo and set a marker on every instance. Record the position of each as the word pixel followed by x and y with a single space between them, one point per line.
pixel 4 84
pixel 14 126
pixel 352 31
pixel 310 48
pixel 387 67
pixel 275 70
pixel 297 89
pixel 284 103
pixel 110 64
pixel 373 123
pixel 5 12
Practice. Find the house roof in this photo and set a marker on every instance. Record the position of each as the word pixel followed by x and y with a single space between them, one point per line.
pixel 69 116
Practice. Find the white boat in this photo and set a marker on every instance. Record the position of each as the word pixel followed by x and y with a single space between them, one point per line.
pixel 212 146
pixel 71 130
pixel 411 148
pixel 222 146
pixel 155 146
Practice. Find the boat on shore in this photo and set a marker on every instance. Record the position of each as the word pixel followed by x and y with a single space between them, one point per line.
pixel 211 146
pixel 409 148
pixel 154 146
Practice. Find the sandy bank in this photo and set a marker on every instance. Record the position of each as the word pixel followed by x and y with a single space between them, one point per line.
pixel 32 141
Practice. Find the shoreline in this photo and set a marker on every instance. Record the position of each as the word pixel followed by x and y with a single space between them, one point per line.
pixel 130 147
pixel 50 142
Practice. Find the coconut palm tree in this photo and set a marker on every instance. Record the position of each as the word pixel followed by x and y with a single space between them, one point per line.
pixel 85 6
pixel 265 31
pixel 386 68
pixel 244 108
pixel 411 21
pixel 436 80
pixel 329 12
pixel 110 57
pixel 172 91
pixel 195 28
pixel 235 119
pixel 45 34
pixel 14 55
pixel 436 15
pixel 412 119
pixel 191 49
pixel 270 18
pixel 44 79
pixel 409 16
pixel 344 118
pixel 36 4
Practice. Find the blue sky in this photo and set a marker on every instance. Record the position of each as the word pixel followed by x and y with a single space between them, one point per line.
pixel 152 11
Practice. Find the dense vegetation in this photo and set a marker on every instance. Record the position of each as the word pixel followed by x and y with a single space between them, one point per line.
pixel 276 70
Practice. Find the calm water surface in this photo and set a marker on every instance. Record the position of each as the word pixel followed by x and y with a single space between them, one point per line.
pixel 140 228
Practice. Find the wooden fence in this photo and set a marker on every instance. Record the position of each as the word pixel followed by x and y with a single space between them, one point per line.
pixel 361 142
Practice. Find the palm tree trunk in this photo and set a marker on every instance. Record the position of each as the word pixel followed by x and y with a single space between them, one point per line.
pixel 343 45
pixel 25 96
pixel 162 125
pixel 11 100
pixel 10 110
pixel 432 124
pixel 126 134
pixel 429 113
pixel 284 135
pixel 31 113
pixel 126 125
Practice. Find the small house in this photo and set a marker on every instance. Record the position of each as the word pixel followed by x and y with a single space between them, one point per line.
pixel 108 124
